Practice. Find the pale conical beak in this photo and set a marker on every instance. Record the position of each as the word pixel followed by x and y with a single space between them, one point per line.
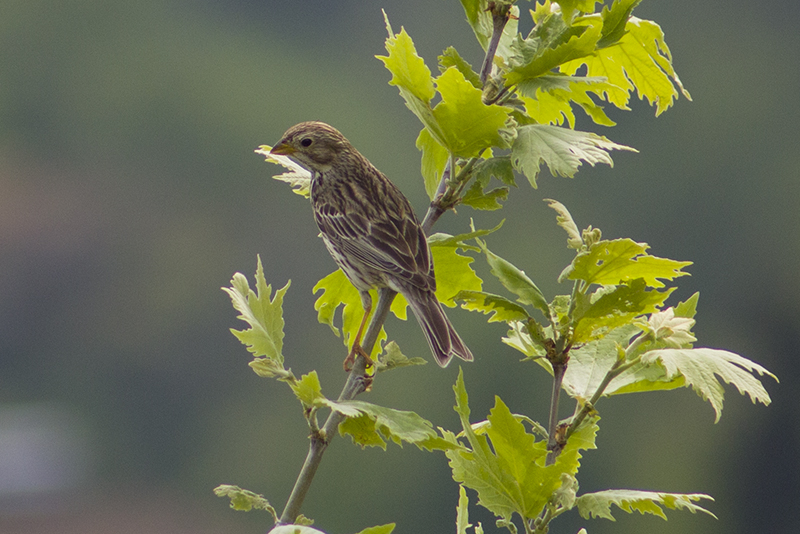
pixel 283 149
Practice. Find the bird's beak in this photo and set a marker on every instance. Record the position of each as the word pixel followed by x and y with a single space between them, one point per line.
pixel 283 149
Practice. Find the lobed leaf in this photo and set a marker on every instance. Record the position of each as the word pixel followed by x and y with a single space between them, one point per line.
pixel 700 368
pixel 468 125
pixel 298 177
pixel 639 59
pixel 562 149
pixel 263 313
pixel 244 500
pixel 598 504
pixel 502 309
pixel 510 476
pixel 374 425
pixel 613 306
pixel 622 260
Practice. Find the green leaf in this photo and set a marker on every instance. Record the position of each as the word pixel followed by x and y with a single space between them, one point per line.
pixel 451 58
pixel 408 69
pixel 519 338
pixel 639 60
pixel 298 177
pixel 561 149
pixel 548 98
pixel 440 239
pixel 688 308
pixel 479 20
pixel 614 306
pixel 502 309
pixel 622 260
pixel 308 389
pixel 376 424
pixel 700 368
pixel 565 221
pixel 453 273
pixel 434 161
pixel 516 281
pixel 338 291
pixel 382 529
pixel 462 512
pixel 510 476
pixel 570 44
pixel 568 7
pixel 264 315
pixel 475 197
pixel 244 500
pixel 392 358
pixel 598 504
pixel 615 19
pixel 468 125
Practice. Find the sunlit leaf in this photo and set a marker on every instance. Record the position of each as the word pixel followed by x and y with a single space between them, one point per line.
pixel 262 312
pixel 622 260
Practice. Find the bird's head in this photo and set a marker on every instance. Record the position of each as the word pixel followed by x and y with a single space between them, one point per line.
pixel 313 144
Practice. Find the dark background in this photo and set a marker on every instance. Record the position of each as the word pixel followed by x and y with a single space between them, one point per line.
pixel 130 193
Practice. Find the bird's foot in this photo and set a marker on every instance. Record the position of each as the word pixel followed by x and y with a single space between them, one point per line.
pixel 357 350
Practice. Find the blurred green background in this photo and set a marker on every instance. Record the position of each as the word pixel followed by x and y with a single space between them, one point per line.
pixel 130 193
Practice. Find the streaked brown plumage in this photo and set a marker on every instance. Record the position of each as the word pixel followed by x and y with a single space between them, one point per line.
pixel 371 231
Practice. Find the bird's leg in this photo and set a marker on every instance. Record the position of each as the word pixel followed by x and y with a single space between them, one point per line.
pixel 366 301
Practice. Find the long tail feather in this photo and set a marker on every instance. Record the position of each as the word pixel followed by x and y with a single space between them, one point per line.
pixel 442 338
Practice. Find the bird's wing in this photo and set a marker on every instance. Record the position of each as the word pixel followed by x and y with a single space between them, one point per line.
pixel 389 242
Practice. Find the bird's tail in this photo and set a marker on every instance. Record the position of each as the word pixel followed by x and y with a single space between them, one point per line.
pixel 442 338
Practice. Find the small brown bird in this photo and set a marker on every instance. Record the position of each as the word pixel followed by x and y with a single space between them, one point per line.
pixel 370 230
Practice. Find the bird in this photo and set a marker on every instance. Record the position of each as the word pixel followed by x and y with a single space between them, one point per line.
pixel 372 233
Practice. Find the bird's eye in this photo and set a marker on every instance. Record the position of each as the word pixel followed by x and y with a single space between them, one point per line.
pixel 306 142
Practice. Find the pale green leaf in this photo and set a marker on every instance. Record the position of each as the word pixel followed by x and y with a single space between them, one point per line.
pixel 382 529
pixel 519 339
pixel 338 291
pixel 451 58
pixel 308 389
pixel 479 19
pixel 475 197
pixel 434 161
pixel 502 309
pixel 376 424
pixel 568 7
pixel 516 281
pixel 614 306
pixel 562 149
pixel 462 512
pixel 298 177
pixel 688 308
pixel 263 313
pixel 621 260
pixel 244 500
pixel 392 358
pixel 453 273
pixel 700 368
pixel 440 239
pixel 408 69
pixel 598 504
pixel 565 221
